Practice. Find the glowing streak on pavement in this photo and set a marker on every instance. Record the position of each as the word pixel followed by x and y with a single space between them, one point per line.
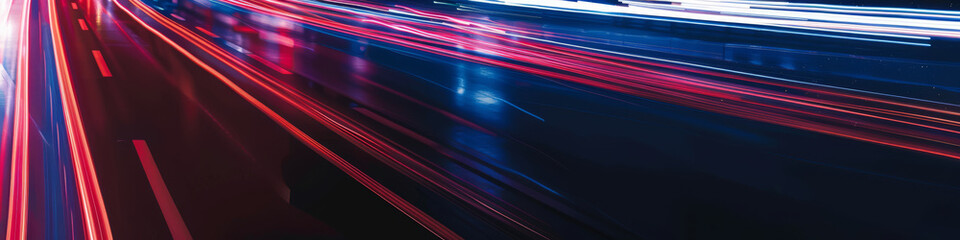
pixel 19 165
pixel 416 214
pixel 878 118
pixel 94 214
pixel 703 12
pixel 370 141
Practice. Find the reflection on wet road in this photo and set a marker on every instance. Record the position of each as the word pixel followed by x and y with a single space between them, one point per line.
pixel 225 119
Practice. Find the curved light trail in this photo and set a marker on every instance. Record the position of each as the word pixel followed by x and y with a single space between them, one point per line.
pixel 923 126
pixel 248 71
pixel 95 221
pixel 886 119
pixel 832 21
pixel 19 167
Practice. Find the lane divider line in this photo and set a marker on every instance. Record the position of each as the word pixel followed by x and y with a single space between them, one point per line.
pixel 97 56
pixel 178 229
pixel 83 24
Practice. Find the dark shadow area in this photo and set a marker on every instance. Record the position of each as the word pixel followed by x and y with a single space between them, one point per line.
pixel 325 192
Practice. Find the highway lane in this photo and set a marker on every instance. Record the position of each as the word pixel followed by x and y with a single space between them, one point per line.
pixel 223 172
pixel 264 127
pixel 51 181
pixel 136 136
pixel 500 124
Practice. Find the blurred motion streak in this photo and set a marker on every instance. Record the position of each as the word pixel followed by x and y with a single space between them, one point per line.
pixel 248 71
pixel 19 168
pixel 95 221
pixel 918 125
pixel 834 21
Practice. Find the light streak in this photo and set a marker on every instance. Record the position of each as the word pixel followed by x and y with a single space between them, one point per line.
pixel 204 31
pixel 19 161
pixel 392 198
pixel 923 126
pixel 93 212
pixel 875 120
pixel 370 141
pixel 734 15
pixel 729 22
pixel 269 64
pixel 910 12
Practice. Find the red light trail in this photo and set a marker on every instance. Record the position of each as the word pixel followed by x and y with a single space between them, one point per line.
pixel 19 167
pixel 407 208
pixel 893 121
pixel 899 122
pixel 93 213
pixel 95 221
